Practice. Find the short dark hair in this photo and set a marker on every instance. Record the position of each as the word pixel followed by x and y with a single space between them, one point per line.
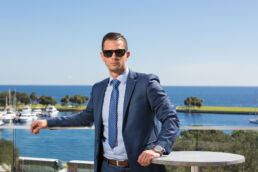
pixel 114 36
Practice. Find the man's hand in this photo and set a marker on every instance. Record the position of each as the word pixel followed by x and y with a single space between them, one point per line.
pixel 146 156
pixel 37 125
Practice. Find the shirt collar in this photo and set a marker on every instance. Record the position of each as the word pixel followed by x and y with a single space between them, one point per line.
pixel 122 78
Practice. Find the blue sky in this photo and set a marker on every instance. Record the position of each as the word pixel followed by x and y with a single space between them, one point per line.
pixel 186 43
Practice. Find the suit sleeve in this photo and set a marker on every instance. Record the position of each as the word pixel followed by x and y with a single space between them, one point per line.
pixel 85 118
pixel 165 113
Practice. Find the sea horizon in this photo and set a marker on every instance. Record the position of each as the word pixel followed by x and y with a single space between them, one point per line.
pixel 161 85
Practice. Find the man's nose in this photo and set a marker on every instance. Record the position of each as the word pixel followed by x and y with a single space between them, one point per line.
pixel 113 55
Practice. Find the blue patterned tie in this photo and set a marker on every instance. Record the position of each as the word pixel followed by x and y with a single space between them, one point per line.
pixel 112 119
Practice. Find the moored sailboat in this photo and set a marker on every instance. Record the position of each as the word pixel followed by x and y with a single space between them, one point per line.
pixel 27 116
pixel 51 111
pixel 8 116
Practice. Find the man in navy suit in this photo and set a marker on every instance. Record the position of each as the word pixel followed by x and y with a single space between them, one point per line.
pixel 123 109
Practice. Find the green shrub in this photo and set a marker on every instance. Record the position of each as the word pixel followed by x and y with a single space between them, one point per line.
pixel 8 155
pixel 239 142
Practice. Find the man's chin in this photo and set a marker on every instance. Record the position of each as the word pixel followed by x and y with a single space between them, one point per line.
pixel 116 70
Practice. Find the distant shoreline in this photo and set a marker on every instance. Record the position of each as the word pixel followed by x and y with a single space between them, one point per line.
pixel 182 109
pixel 218 110
pixel 88 85
pixel 61 108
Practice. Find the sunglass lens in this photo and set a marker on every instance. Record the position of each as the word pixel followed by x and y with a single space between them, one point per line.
pixel 120 52
pixel 107 53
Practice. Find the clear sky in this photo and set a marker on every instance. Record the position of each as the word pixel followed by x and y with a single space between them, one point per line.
pixel 186 42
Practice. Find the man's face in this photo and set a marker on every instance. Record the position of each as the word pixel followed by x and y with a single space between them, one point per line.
pixel 115 64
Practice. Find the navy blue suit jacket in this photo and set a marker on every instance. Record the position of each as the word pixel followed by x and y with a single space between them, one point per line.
pixel 144 99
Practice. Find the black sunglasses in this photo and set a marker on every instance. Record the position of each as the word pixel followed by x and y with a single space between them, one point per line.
pixel 118 52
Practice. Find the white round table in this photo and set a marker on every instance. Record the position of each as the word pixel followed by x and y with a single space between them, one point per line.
pixel 195 159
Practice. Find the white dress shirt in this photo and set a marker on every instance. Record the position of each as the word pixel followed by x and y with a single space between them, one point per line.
pixel 118 152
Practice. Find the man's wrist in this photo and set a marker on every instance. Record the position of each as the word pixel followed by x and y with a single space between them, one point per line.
pixel 158 149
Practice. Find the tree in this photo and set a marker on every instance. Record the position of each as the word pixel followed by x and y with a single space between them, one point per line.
pixel 199 103
pixel 78 99
pixel 186 102
pixel 20 98
pixel 85 98
pixel 193 101
pixel 72 99
pixel 34 98
pixel 23 98
pixel 3 96
pixel 65 100
pixel 47 100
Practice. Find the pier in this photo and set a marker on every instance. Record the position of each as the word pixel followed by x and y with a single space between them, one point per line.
pixel 218 110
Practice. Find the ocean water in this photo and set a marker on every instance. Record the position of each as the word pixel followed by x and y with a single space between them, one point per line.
pixel 212 96
pixel 78 144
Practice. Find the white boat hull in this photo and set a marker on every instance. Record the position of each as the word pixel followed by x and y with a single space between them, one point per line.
pixel 28 119
pixel 255 121
pixel 37 111
pixel 52 114
pixel 8 120
pixel 51 111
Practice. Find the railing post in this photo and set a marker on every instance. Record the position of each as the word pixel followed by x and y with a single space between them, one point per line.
pixel 13 169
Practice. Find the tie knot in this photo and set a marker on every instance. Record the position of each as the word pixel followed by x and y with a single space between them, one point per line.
pixel 115 83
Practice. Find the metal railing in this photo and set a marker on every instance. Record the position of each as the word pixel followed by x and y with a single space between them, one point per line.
pixel 181 128
pixel 197 139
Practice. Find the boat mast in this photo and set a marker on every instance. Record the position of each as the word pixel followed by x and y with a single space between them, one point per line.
pixel 10 98
pixel 6 102
pixel 14 101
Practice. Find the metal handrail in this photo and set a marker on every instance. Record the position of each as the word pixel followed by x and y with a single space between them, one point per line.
pixel 25 127
pixel 181 128
pixel 166 160
pixel 218 128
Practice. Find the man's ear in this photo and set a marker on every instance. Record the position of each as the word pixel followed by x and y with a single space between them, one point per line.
pixel 102 55
pixel 127 54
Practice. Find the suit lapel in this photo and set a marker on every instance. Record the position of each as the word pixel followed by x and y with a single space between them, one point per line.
pixel 130 85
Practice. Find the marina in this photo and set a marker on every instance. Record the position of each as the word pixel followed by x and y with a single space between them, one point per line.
pixel 26 115
pixel 72 140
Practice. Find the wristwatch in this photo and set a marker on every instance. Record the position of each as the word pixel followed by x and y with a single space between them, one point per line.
pixel 158 149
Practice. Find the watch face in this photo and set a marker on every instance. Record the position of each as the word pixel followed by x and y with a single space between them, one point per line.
pixel 159 148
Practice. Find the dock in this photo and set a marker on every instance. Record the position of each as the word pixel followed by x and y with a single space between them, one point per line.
pixel 218 110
